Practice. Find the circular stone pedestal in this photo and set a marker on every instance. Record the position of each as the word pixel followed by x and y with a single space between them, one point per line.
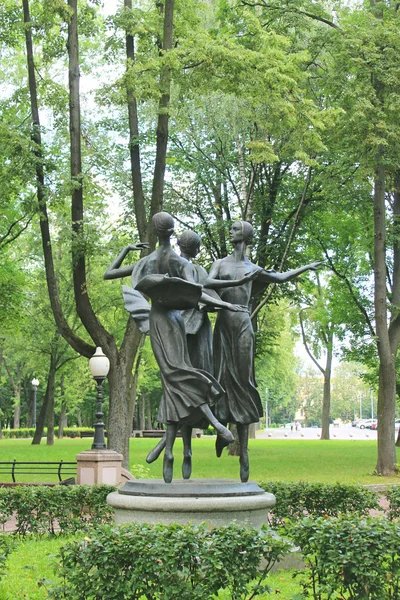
pixel 215 501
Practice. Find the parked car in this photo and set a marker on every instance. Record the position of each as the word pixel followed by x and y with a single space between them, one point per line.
pixel 396 425
pixel 374 426
pixel 366 423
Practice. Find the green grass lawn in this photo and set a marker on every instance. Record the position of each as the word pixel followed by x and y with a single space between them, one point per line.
pixel 34 560
pixel 291 460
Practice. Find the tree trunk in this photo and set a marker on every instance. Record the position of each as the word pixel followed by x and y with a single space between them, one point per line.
pixel 63 421
pixel 17 412
pixel 50 404
pixel 142 411
pixel 386 464
pixel 133 388
pixel 252 431
pixel 75 342
pixel 118 427
pixel 326 402
pixel 37 438
pixel 234 448
pixel 163 120
pixel 149 424
pixel 134 148
pixel 78 417
pixel 28 394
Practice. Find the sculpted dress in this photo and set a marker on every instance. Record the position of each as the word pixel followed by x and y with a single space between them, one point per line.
pixel 233 350
pixel 234 369
pixel 185 388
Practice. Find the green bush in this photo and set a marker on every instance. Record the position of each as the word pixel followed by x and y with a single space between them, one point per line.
pixel 167 562
pixel 29 432
pixel 22 432
pixel 349 558
pixel 393 495
pixel 66 509
pixel 295 500
pixel 6 545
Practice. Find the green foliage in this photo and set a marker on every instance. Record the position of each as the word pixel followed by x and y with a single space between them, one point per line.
pixel 64 509
pixel 28 432
pixel 349 558
pixel 168 562
pixel 295 500
pixel 393 496
pixel 6 546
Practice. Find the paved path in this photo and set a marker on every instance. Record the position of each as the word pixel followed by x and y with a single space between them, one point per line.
pixel 311 433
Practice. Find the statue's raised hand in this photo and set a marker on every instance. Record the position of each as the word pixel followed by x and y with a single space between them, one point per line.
pixel 139 246
pixel 250 276
pixel 316 265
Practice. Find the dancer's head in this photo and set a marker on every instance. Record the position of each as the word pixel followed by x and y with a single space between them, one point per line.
pixel 241 231
pixel 163 224
pixel 189 242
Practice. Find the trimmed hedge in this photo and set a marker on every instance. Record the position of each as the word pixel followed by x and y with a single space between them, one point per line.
pixel 393 495
pixel 166 562
pixel 349 558
pixel 295 500
pixel 29 432
pixel 64 509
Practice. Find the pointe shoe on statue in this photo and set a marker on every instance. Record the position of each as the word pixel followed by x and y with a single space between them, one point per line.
pixel 156 451
pixel 224 438
pixel 168 468
pixel 187 467
pixel 244 470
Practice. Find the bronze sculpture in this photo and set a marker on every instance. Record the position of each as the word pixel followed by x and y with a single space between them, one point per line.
pixel 234 337
pixel 191 394
pixel 168 279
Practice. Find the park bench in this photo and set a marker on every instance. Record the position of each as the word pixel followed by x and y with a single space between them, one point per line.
pixel 57 470
pixel 159 433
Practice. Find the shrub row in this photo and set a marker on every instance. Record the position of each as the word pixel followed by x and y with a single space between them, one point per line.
pixel 344 558
pixel 168 562
pixel 349 558
pixel 28 432
pixel 295 500
pixel 67 509
pixel 393 496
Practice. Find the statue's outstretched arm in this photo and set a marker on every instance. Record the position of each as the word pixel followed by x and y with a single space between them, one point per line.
pixel 115 271
pixel 213 282
pixel 275 277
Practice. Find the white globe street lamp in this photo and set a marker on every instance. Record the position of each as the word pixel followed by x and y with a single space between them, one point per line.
pixel 99 366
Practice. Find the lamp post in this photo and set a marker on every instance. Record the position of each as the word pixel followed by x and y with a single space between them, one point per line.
pixel 99 366
pixel 35 383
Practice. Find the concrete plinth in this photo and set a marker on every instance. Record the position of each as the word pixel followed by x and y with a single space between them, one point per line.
pixel 99 466
pixel 215 501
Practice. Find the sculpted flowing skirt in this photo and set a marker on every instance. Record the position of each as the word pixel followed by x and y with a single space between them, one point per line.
pixel 234 369
pixel 185 388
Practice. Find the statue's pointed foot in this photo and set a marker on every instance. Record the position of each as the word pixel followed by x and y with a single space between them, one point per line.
pixel 168 468
pixel 155 453
pixel 224 438
pixel 244 469
pixel 187 467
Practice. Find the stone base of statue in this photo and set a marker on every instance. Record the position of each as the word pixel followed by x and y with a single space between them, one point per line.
pixel 195 501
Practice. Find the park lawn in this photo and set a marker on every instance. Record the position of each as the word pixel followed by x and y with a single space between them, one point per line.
pixel 290 460
pixel 311 460
pixel 34 560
